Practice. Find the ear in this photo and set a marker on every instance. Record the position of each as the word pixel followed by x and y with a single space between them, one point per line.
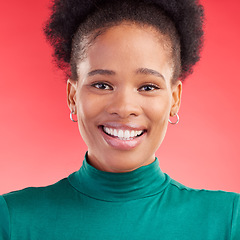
pixel 71 95
pixel 176 97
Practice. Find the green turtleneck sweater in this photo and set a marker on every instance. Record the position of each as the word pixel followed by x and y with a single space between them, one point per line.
pixel 142 204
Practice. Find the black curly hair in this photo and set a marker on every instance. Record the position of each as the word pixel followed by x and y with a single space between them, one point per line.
pixel 73 21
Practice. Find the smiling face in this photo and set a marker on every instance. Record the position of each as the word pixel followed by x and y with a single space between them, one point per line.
pixel 124 97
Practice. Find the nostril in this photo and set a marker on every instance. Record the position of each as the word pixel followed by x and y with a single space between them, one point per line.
pixel 124 110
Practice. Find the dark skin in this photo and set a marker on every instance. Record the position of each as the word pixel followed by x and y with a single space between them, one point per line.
pixel 124 97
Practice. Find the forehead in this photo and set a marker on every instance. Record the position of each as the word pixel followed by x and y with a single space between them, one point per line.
pixel 127 38
pixel 127 47
pixel 127 31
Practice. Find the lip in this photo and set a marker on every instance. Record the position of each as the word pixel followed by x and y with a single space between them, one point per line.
pixel 120 144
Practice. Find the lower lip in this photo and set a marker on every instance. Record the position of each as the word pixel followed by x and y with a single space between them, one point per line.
pixel 122 144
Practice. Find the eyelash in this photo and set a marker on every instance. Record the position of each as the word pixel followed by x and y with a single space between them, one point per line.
pixel 102 84
pixel 154 87
pixel 105 86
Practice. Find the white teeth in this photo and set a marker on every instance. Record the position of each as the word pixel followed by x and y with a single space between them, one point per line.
pixel 115 133
pixel 132 133
pixel 127 134
pixel 107 130
pixel 122 134
pixel 139 132
pixel 111 131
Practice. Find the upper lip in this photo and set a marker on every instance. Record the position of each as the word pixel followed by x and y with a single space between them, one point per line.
pixel 124 126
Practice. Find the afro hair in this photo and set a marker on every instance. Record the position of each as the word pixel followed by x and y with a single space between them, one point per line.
pixel 67 16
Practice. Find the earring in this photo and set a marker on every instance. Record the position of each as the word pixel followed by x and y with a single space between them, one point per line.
pixel 174 123
pixel 71 116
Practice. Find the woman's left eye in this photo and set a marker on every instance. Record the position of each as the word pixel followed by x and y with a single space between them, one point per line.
pixel 148 87
pixel 102 86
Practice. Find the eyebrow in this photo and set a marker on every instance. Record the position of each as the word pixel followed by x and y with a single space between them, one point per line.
pixel 145 71
pixel 148 71
pixel 101 72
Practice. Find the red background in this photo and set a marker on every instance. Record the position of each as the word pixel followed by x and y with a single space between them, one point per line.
pixel 40 145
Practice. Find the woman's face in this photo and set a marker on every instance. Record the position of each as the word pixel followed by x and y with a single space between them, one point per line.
pixel 124 97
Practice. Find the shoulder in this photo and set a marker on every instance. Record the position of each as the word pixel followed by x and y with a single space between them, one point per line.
pixel 32 195
pixel 182 187
pixel 36 200
pixel 4 220
pixel 21 207
pixel 219 209
pixel 215 204
pixel 203 195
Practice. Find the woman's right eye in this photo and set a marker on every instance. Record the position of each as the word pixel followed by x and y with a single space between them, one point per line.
pixel 102 86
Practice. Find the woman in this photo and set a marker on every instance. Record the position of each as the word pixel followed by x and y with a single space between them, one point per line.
pixel 126 61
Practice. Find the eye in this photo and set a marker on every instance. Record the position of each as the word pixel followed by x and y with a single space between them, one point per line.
pixel 148 87
pixel 102 86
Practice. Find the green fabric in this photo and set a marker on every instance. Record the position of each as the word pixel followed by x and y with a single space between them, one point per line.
pixel 142 204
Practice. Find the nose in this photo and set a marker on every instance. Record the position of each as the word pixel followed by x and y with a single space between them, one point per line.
pixel 124 103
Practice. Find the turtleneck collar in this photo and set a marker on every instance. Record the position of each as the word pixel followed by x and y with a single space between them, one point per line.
pixel 143 182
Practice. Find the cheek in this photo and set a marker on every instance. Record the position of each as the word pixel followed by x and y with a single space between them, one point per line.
pixel 88 106
pixel 159 111
pixel 158 114
pixel 88 111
